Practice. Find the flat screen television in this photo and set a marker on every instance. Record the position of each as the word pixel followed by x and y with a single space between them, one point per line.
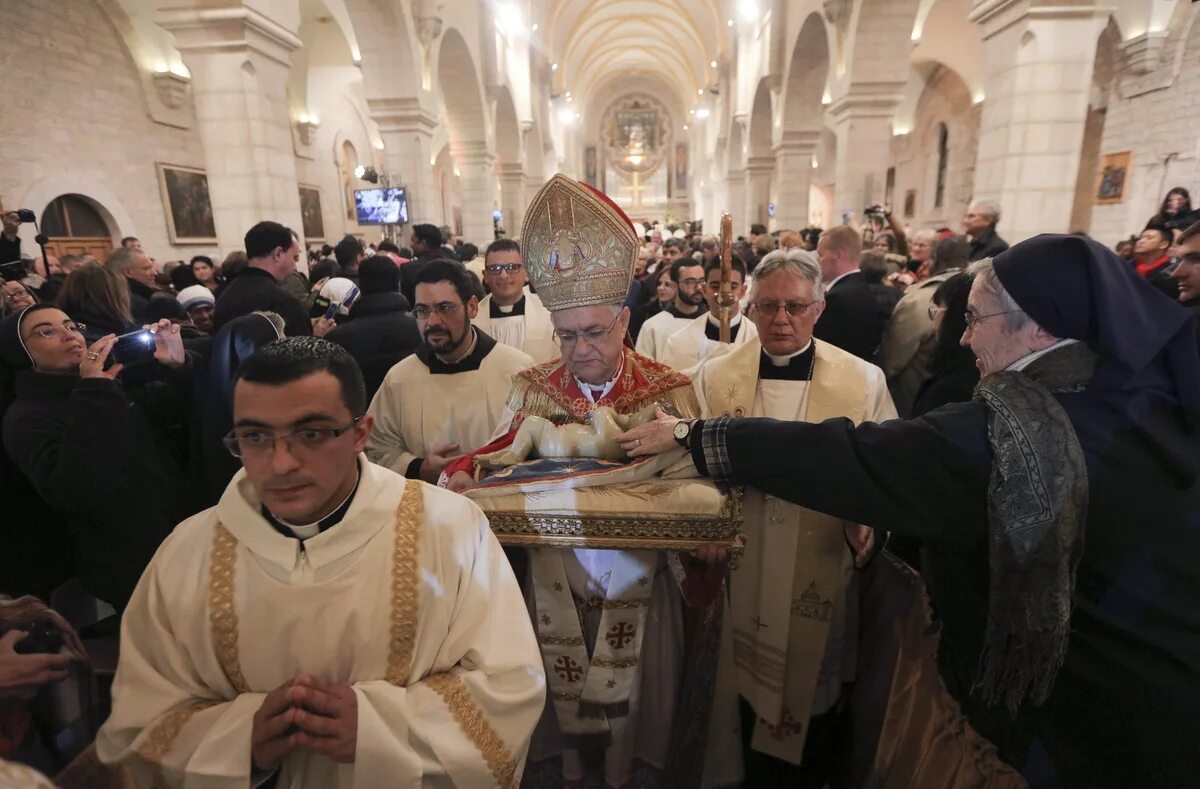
pixel 387 206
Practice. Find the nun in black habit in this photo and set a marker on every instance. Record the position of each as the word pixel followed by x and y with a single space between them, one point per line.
pixel 1071 480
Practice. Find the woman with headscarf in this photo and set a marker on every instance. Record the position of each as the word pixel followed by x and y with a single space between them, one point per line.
pixel 89 453
pixel 212 465
pixel 1073 475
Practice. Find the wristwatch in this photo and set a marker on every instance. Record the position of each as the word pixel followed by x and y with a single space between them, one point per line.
pixel 683 434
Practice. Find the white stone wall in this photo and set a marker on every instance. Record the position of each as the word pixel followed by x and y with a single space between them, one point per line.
pixel 75 119
pixel 1155 116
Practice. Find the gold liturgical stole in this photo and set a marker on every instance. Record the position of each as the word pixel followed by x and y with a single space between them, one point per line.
pixel 779 640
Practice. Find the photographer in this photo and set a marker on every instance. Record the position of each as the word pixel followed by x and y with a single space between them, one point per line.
pixel 10 242
pixel 72 431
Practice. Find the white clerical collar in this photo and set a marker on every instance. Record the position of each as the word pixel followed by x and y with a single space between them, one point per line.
pixel 839 278
pixel 594 393
pixel 470 349
pixel 715 320
pixel 309 530
pixel 1030 358
pixel 506 308
pixel 783 361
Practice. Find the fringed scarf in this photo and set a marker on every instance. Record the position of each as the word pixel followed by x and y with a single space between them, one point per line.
pixel 1037 508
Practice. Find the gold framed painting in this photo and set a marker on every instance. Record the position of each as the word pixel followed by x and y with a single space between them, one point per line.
pixel 1114 177
pixel 187 204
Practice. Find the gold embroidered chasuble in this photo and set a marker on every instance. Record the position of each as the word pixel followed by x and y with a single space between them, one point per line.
pixel 792 635
pixel 409 599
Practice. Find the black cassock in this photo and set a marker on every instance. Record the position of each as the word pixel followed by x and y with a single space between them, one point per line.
pixel 1125 709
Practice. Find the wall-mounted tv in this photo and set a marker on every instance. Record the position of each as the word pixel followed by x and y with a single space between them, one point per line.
pixel 387 206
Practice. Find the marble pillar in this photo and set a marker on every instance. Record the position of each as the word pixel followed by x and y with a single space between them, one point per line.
pixel 793 178
pixel 862 120
pixel 406 129
pixel 476 167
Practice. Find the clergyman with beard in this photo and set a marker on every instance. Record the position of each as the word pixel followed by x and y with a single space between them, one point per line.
pixel 448 398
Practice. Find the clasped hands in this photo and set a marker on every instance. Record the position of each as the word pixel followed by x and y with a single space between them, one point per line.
pixel 305 713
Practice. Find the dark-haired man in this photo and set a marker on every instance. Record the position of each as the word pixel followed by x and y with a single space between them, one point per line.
pixel 247 650
pixel 510 313
pixel 1187 271
pixel 349 254
pixel 273 251
pixel 700 338
pixel 688 276
pixel 447 398
pixel 1153 260
pixel 380 330
pixel 426 246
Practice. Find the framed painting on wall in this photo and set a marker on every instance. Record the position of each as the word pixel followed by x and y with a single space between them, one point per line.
pixel 1114 175
pixel 589 166
pixel 187 204
pixel 310 213
pixel 910 203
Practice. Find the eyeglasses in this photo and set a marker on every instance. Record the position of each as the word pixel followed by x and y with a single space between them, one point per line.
pixel 972 318
pixel 253 442
pixel 497 268
pixel 444 309
pixel 68 328
pixel 794 309
pixel 593 336
pixel 934 311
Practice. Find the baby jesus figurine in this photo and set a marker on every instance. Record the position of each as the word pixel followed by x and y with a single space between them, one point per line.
pixel 542 438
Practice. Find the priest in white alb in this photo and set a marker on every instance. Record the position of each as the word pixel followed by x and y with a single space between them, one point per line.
pixel 701 338
pixel 793 595
pixel 688 276
pixel 448 398
pixel 510 313
pixel 328 623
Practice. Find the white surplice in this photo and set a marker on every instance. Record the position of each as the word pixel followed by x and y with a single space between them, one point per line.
pixel 416 409
pixel 408 598
pixel 652 339
pixel 690 346
pixel 531 332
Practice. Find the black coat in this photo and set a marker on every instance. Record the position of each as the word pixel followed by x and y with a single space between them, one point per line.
pixel 10 249
pixel 987 244
pixel 1123 709
pixel 379 333
pixel 93 456
pixel 855 316
pixel 255 290
pixel 139 300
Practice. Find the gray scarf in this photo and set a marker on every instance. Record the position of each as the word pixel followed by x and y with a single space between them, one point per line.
pixel 1037 508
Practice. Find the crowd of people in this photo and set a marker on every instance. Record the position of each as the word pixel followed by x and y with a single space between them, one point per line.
pixel 137 396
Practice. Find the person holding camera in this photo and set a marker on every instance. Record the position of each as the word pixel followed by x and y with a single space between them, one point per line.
pixel 89 452
pixel 10 242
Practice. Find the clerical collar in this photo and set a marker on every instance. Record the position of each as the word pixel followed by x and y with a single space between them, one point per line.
pixel 303 532
pixel 792 367
pixel 674 311
pixel 483 345
pixel 497 311
pixel 596 393
pixel 712 327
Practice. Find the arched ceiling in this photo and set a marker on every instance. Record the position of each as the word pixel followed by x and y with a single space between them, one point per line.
pixel 674 40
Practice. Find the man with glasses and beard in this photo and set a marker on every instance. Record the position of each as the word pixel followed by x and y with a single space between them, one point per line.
pixel 580 252
pixel 448 398
pixel 689 304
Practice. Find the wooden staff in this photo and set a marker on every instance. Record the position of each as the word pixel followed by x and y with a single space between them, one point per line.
pixel 725 297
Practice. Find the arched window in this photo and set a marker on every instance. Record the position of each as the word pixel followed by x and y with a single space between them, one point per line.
pixel 349 180
pixel 943 150
pixel 75 227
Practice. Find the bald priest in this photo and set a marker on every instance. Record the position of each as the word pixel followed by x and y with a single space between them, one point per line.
pixel 329 623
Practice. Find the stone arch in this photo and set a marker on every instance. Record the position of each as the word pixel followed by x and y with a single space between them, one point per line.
pixel 508 132
pixel 1105 70
pixel 98 196
pixel 808 71
pixel 456 70
pixel 760 130
pixel 388 50
pixel 878 48
pixel 760 160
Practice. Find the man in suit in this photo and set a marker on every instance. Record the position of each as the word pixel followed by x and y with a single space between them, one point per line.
pixel 854 319
pixel 980 224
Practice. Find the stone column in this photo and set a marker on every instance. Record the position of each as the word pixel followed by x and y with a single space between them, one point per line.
pixel 406 129
pixel 512 198
pixel 239 60
pixel 1038 81
pixel 758 188
pixel 735 181
pixel 476 167
pixel 863 123
pixel 793 177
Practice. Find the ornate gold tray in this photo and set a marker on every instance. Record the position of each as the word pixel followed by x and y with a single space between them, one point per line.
pixel 657 514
